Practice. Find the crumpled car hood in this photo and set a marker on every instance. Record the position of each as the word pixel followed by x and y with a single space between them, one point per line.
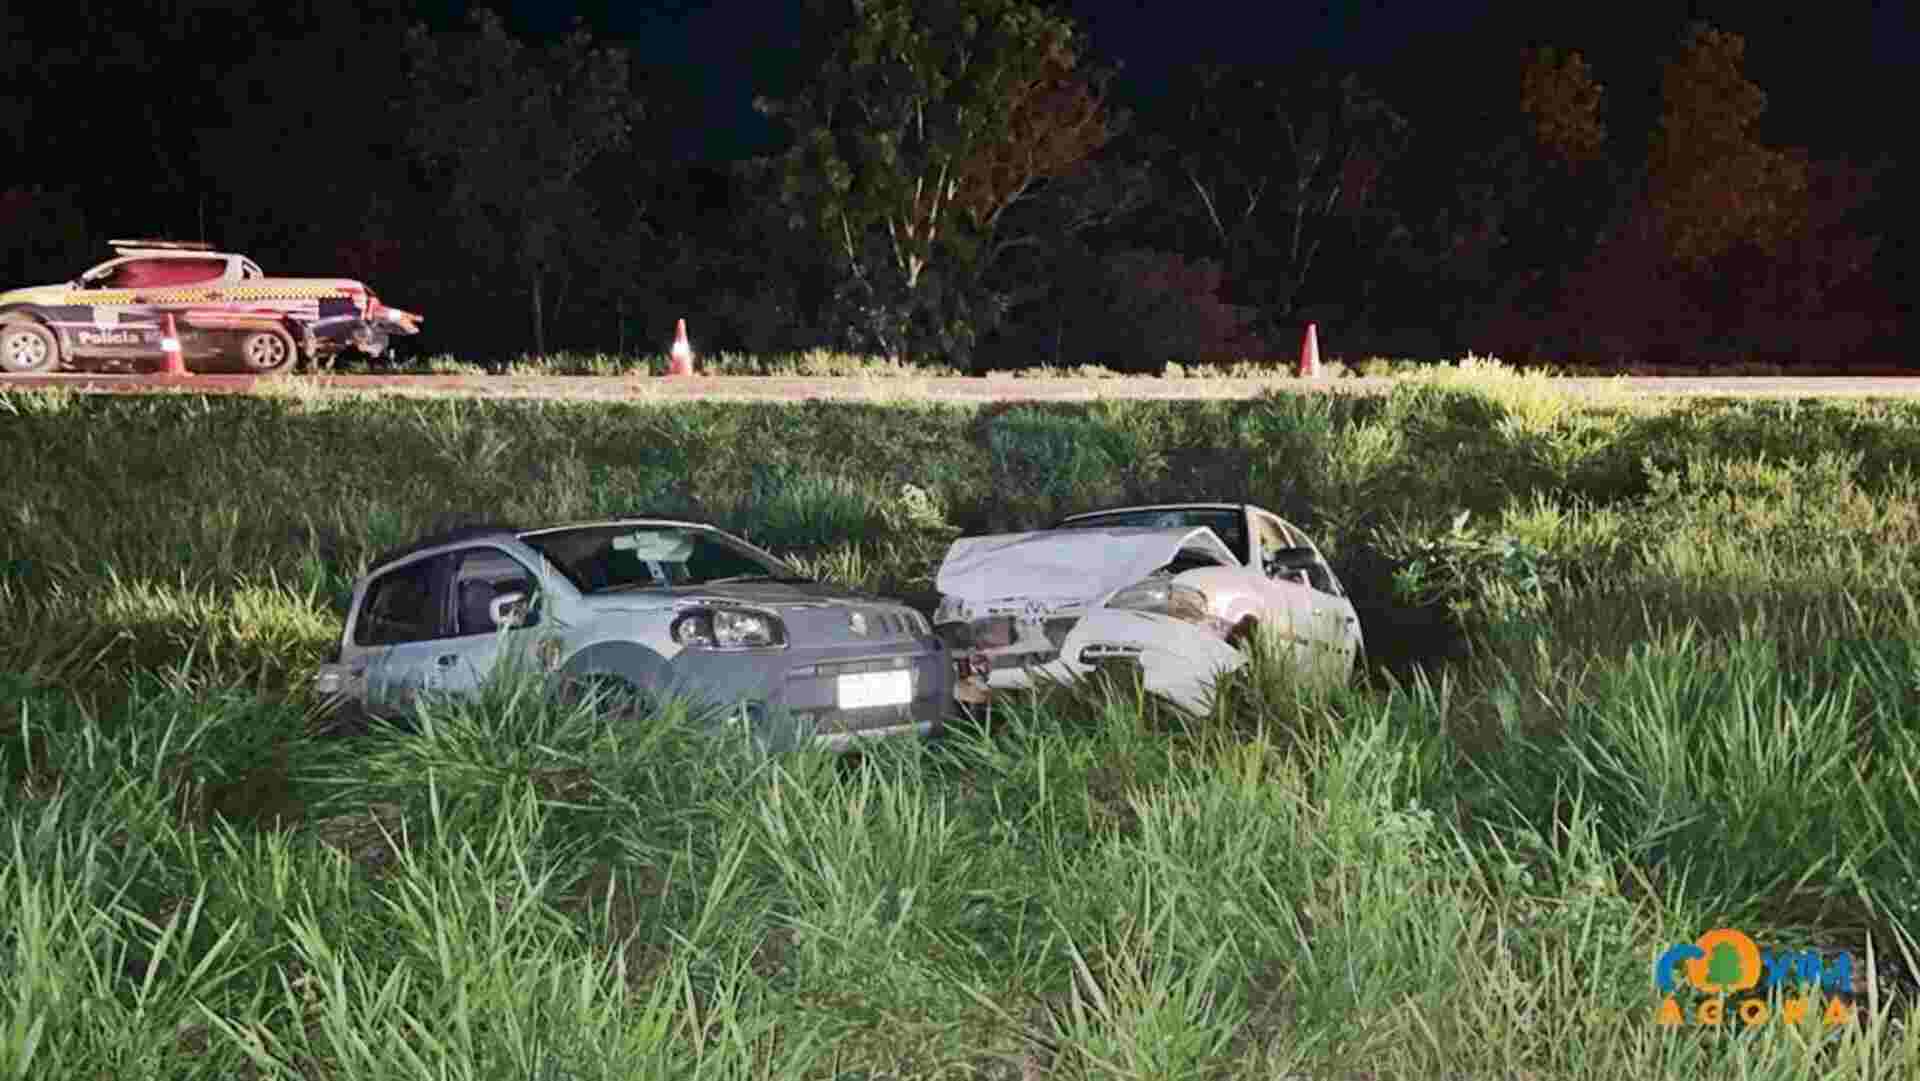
pixel 1064 566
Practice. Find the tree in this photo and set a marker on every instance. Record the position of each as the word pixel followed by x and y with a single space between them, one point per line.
pixel 1273 162
pixel 923 124
pixel 1562 102
pixel 16 54
pixel 48 238
pixel 338 163
pixel 1710 181
pixel 513 130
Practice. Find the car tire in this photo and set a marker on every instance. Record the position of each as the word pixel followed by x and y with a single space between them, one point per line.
pixel 265 352
pixel 27 348
pixel 613 694
pixel 1241 636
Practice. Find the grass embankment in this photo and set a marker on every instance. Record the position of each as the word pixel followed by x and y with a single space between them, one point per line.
pixel 1686 698
pixel 828 363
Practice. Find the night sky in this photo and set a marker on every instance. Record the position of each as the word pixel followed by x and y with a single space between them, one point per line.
pixel 1821 65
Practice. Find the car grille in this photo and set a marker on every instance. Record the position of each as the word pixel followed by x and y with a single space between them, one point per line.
pixel 887 623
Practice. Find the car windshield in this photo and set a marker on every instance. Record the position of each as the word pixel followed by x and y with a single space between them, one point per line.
pixel 603 559
pixel 1227 524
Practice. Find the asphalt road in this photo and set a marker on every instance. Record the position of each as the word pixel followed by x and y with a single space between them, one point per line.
pixel 890 388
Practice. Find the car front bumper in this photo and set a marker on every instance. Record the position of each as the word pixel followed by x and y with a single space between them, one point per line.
pixel 1175 659
pixel 369 335
pixel 834 696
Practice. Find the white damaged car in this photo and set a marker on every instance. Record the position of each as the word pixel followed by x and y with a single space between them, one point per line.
pixel 1170 591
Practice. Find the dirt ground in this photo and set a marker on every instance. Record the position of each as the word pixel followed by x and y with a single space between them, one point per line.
pixel 783 389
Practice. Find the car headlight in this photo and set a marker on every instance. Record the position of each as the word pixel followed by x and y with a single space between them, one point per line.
pixel 728 628
pixel 1162 597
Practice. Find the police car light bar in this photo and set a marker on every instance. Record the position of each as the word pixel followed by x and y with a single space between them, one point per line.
pixel 161 245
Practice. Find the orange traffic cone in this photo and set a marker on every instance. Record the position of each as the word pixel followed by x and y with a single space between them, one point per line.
pixel 682 355
pixel 172 364
pixel 1310 355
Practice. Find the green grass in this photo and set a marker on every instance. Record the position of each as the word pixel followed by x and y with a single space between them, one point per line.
pixel 824 362
pixel 1638 670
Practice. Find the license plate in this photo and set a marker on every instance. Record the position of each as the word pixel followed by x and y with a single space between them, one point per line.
pixel 864 690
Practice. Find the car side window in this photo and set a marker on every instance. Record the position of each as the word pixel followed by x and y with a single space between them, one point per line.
pixel 1272 537
pixel 155 273
pixel 1275 535
pixel 480 577
pixel 399 607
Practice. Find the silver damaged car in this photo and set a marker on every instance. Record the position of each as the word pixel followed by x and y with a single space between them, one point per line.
pixel 653 607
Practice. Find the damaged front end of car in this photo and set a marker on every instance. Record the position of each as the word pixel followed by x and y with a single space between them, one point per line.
pixel 1061 604
pixel 368 329
pixel 1010 639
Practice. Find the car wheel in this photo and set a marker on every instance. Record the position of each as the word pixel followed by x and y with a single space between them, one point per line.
pixel 263 352
pixel 610 693
pixel 1241 636
pixel 28 347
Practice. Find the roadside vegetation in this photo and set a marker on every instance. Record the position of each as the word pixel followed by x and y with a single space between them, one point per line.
pixel 1636 670
pixel 816 363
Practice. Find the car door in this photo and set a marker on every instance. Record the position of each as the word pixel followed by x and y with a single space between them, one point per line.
pixel 128 300
pixel 399 630
pixel 477 578
pixel 1289 602
pixel 1336 624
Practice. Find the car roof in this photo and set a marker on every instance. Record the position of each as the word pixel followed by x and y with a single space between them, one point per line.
pixel 504 531
pixel 634 520
pixel 157 243
pixel 489 531
pixel 1154 506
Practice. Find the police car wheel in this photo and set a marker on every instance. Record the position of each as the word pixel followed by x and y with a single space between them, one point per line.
pixel 267 351
pixel 27 347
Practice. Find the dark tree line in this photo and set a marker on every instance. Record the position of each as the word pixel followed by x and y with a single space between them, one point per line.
pixel 957 179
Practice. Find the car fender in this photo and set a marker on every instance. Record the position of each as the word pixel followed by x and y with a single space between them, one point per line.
pixel 631 661
pixel 31 313
pixel 1235 594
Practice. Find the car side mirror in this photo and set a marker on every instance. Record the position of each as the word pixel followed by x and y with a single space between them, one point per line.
pixel 508 609
pixel 1287 562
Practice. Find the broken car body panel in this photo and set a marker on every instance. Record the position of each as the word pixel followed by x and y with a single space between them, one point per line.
pixel 1011 599
pixel 117 311
pixel 668 608
pixel 1172 599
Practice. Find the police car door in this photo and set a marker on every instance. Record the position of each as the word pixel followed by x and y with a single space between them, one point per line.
pixel 111 327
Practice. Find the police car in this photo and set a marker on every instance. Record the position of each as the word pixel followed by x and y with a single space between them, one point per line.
pixel 225 312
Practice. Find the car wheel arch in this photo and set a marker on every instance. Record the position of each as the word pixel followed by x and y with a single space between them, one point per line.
pixel 33 316
pixel 630 662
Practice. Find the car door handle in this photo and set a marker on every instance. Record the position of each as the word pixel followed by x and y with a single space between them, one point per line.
pixel 447 660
